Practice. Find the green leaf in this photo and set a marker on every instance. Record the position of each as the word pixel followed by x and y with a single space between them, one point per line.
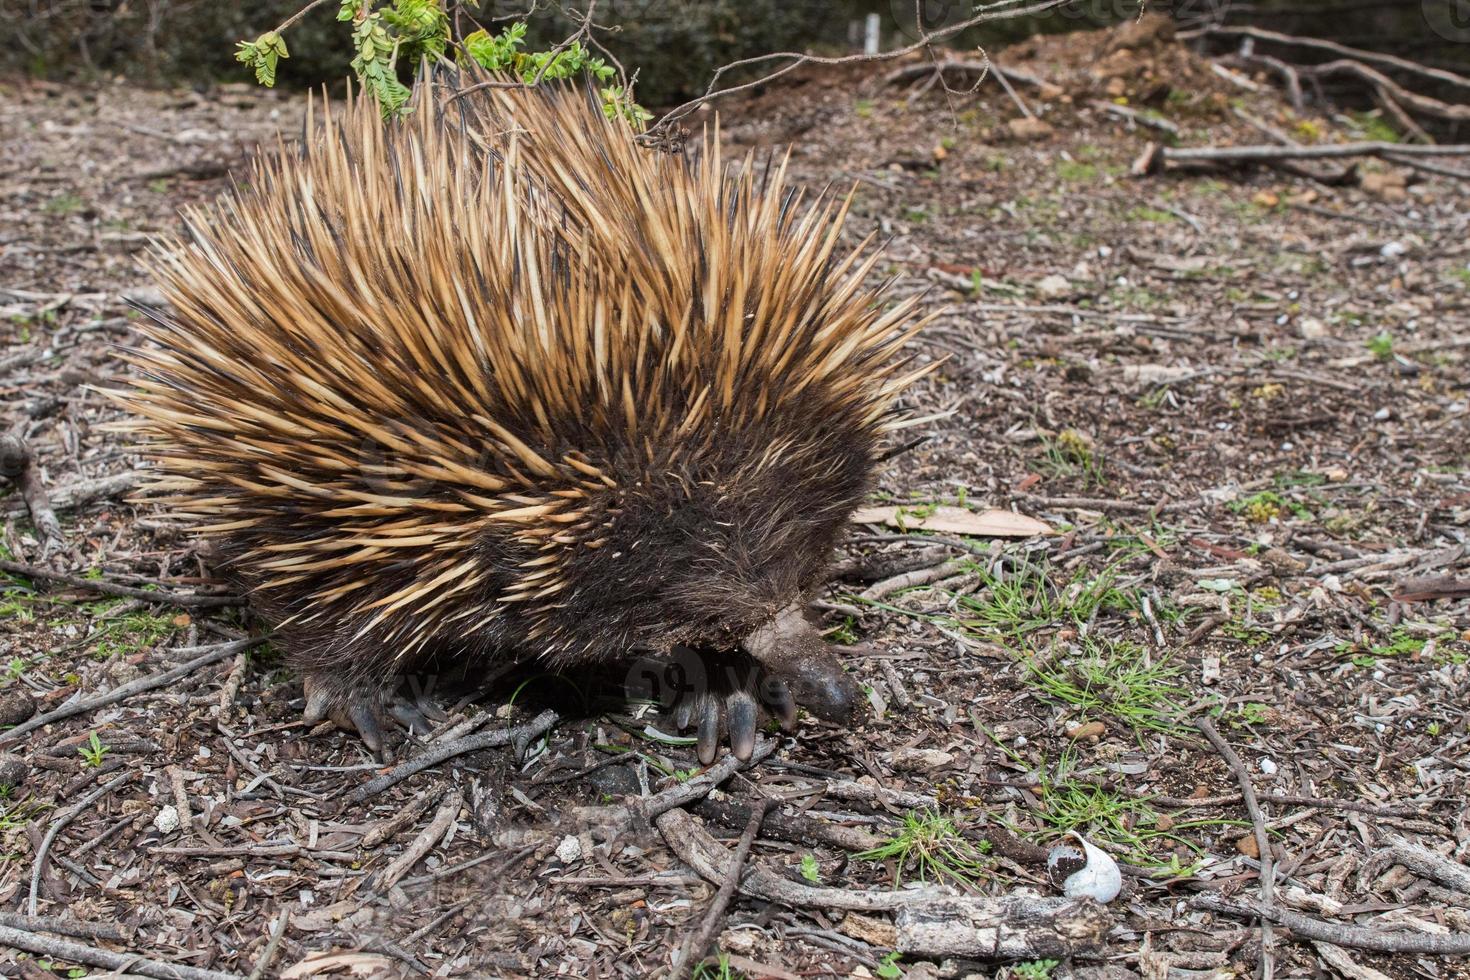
pixel 262 55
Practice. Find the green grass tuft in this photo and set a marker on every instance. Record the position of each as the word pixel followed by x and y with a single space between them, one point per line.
pixel 931 843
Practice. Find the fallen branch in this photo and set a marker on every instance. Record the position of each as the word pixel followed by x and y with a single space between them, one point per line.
pixel 80 928
pixel 83 492
pixel 1338 933
pixel 1426 863
pixel 1359 54
pixel 1432 588
pixel 931 921
pixel 1156 157
pixel 1422 104
pixel 519 736
pixel 83 706
pixel 714 917
pixel 104 587
pixel 122 963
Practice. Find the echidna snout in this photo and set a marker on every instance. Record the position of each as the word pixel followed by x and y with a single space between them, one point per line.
pixel 794 652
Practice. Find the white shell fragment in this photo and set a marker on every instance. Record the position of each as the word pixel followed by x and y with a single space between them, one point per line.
pixel 1087 871
pixel 569 850
pixel 167 820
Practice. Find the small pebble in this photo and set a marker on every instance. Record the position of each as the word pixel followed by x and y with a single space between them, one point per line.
pixel 1268 767
pixel 1382 415
pixel 13 772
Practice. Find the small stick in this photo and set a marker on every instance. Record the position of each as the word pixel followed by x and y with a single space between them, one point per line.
pixel 181 798
pixel 278 932
pixel 697 788
pixel 87 705
pixel 130 963
pixel 520 736
pixel 1005 83
pixel 231 688
pixel 188 601
pixel 59 824
pixel 421 845
pixel 907 580
pixel 406 817
pixel 796 828
pixel 714 917
pixel 1258 822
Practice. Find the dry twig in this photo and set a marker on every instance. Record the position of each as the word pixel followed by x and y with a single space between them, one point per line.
pixel 714 917
pixel 1337 933
pixel 105 587
pixel 520 737
pixel 38 866
pixel 212 654
pixel 1258 824
pixel 122 963
pixel 932 921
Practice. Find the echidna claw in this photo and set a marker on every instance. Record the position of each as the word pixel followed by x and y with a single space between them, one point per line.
pixel 318 703
pixel 708 745
pixel 742 715
pixel 781 703
pixel 363 717
pixel 724 697
pixel 368 711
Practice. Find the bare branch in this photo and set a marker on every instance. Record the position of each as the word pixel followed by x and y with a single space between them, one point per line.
pixel 795 60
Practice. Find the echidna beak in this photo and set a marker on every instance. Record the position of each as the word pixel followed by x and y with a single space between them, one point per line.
pixel 805 668
pixel 818 683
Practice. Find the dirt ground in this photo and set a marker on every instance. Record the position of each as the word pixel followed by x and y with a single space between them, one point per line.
pixel 1238 399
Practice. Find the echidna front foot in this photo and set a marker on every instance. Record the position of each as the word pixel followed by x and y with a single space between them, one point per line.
pixel 726 696
pixel 368 711
pixel 723 697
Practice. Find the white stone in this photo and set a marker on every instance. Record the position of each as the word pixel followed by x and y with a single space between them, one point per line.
pixel 167 820
pixel 569 850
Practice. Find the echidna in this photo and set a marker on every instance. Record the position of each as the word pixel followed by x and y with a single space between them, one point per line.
pixel 497 381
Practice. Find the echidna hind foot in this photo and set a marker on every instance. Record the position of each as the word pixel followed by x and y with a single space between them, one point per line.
pixel 369 710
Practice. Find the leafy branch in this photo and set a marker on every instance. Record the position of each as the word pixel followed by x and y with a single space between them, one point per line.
pixel 417 30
